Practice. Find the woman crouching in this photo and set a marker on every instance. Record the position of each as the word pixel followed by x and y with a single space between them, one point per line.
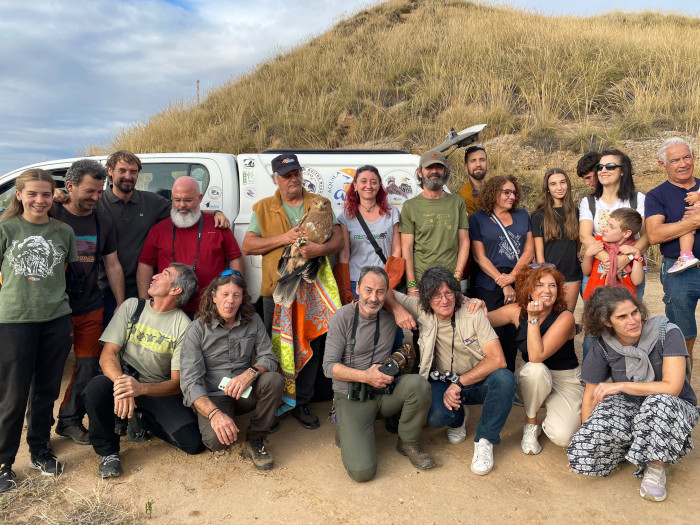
pixel 647 413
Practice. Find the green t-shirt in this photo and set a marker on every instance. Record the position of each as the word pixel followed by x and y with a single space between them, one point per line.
pixel 435 225
pixel 294 214
pixel 155 342
pixel 34 281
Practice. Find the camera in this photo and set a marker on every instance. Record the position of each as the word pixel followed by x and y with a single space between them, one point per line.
pixel 358 392
pixel 401 361
pixel 448 377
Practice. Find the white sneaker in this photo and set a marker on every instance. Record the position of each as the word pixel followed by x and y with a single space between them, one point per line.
pixel 683 263
pixel 482 462
pixel 529 442
pixel 459 434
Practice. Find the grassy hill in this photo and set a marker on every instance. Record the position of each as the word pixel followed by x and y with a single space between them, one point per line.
pixel 402 73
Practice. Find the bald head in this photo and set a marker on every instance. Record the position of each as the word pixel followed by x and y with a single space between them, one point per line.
pixel 186 184
pixel 186 199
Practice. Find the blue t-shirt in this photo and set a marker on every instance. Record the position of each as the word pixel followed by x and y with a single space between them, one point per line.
pixel 498 249
pixel 668 200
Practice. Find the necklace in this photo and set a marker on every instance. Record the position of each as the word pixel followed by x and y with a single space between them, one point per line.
pixel 368 210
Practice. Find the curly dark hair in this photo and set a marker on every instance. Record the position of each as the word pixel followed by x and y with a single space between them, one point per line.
pixel 526 281
pixel 601 305
pixel 488 196
pixel 432 280
pixel 208 312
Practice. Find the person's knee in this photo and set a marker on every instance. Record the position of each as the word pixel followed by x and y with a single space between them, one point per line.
pixel 417 386
pixel 272 382
pixel 189 439
pixel 96 389
pixel 534 373
pixel 560 435
pixel 361 476
pixel 502 380
pixel 438 418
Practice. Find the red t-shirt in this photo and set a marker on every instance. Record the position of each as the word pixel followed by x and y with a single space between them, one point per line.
pixel 596 279
pixel 216 247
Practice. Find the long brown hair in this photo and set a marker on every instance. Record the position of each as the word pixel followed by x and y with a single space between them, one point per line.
pixel 550 223
pixel 208 312
pixel 16 207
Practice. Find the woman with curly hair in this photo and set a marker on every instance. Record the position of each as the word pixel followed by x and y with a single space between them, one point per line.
pixel 501 241
pixel 366 200
pixel 228 368
pixel 648 411
pixel 555 231
pixel 545 336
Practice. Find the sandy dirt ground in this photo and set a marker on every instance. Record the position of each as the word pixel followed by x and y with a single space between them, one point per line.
pixel 309 484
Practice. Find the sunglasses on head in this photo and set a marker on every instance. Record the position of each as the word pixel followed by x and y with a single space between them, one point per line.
pixel 534 266
pixel 231 272
pixel 608 167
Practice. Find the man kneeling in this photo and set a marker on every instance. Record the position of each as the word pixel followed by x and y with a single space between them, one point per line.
pixel 228 368
pixel 141 365
pixel 361 335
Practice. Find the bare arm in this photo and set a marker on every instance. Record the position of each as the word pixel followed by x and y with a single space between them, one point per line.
pixel 372 376
pixel 541 348
pixel 589 402
pixel 237 265
pixel 253 244
pixel 673 378
pixel 344 255
pixel 224 427
pixel 463 254
pixel 539 249
pixel 115 276
pixel 509 313
pixel 220 220
pixel 396 241
pixel 587 238
pixel 659 231
pixel 144 275
pixel 332 245
pixel 526 257
pixel 407 240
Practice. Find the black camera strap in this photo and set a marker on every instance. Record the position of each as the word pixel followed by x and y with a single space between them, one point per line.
pixel 452 360
pixel 199 240
pixel 132 321
pixel 353 340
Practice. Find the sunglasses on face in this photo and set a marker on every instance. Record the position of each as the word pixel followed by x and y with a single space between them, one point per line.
pixel 508 193
pixel 608 167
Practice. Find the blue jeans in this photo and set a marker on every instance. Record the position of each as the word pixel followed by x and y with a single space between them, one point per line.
pixel 496 393
pixel 681 295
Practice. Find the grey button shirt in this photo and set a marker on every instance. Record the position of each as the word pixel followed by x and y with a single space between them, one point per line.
pixel 211 352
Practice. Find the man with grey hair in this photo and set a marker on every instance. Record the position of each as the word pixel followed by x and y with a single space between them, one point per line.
pixel 141 366
pixel 668 218
pixel 190 237
pixel 434 225
pixel 273 226
pixel 95 238
pixel 360 338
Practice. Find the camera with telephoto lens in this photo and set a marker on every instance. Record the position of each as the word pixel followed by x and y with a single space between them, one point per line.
pixel 448 377
pixel 401 361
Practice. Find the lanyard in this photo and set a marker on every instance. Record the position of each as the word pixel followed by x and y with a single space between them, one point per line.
pixel 355 320
pixel 199 240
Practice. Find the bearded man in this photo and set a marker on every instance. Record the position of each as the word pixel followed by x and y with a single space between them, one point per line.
pixel 188 237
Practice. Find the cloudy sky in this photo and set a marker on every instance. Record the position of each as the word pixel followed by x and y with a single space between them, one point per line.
pixel 75 72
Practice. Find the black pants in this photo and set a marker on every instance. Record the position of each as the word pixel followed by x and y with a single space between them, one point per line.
pixel 31 366
pixel 507 333
pixel 165 417
pixel 307 377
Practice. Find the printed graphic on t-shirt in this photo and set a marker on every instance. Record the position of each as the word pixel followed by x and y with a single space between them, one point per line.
pixel 87 247
pixel 439 220
pixel 504 247
pixel 34 257
pixel 362 236
pixel 153 340
pixel 603 219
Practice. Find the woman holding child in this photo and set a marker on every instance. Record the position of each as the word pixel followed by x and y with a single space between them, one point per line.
pixel 545 336
pixel 646 414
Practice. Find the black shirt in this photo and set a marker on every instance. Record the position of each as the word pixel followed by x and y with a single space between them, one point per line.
pixel 563 359
pixel 562 252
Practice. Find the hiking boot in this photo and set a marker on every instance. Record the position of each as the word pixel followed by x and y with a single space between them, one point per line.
pixel 482 462
pixel 46 462
pixel 653 485
pixel 77 433
pixel 418 457
pixel 110 466
pixel 305 417
pixel 6 478
pixel 459 434
pixel 275 426
pixel 529 443
pixel 255 450
pixel 135 431
pixel 683 263
pixel 391 423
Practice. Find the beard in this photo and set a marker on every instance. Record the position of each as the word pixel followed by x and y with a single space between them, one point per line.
pixel 370 309
pixel 477 175
pixel 185 220
pixel 435 184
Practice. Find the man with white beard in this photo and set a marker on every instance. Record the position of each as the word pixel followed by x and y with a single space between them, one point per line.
pixel 188 237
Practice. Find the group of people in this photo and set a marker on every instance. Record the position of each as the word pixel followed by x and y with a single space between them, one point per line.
pixel 185 353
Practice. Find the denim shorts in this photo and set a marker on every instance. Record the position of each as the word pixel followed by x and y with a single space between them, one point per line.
pixel 681 295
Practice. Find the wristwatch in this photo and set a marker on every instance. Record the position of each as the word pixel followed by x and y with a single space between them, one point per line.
pixel 630 257
pixel 255 371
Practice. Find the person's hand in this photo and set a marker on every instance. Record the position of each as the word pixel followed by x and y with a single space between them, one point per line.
pixel 629 249
pixel 292 235
pixel 124 408
pixel 505 279
pixel 606 389
pixel 221 221
pixel 377 379
pixel 474 305
pixel 224 427
pixel 238 384
pixel 692 197
pixel 403 318
pixel 594 249
pixel 309 250
pixel 508 294
pixel 534 309
pixel 126 386
pixel 452 398
pixel 60 196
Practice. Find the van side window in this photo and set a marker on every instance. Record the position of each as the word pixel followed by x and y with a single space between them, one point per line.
pixel 159 178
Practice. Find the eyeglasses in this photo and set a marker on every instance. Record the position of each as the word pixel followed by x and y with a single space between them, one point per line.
pixel 231 272
pixel 439 297
pixel 534 266
pixel 608 167
pixel 187 201
pixel 508 193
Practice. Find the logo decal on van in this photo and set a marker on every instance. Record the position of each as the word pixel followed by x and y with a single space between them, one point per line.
pixel 312 181
pixel 248 163
pixel 250 192
pixel 339 184
pixel 214 192
pixel 400 186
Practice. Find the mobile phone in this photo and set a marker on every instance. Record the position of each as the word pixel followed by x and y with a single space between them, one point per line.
pixel 245 393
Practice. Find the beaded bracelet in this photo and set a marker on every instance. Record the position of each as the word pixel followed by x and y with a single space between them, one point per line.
pixel 411 284
pixel 213 412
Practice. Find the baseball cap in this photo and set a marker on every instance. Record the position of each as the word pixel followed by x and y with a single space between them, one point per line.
pixel 283 164
pixel 432 157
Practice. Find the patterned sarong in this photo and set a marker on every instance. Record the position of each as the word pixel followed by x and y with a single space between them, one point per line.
pixel 294 327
